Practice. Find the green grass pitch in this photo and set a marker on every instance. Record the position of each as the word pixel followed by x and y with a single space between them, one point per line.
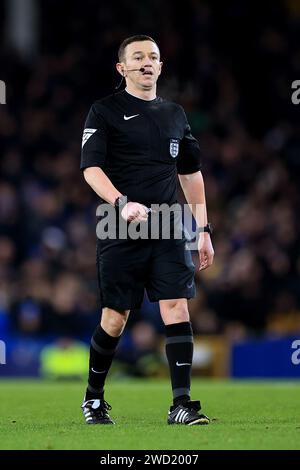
pixel 245 415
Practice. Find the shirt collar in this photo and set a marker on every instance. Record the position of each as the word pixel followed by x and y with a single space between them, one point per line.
pixel 130 95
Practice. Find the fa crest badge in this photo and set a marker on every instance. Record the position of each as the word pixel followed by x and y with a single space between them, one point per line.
pixel 174 147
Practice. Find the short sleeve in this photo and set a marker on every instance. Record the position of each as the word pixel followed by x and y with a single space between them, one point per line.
pixel 94 140
pixel 189 159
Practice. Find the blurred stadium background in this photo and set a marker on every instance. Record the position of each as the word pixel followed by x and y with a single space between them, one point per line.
pixel 231 65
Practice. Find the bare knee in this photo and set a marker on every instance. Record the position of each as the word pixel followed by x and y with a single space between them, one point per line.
pixel 174 311
pixel 113 322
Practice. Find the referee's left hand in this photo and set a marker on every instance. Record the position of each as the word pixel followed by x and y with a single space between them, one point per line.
pixel 206 251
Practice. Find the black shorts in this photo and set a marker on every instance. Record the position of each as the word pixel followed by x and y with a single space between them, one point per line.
pixel 126 267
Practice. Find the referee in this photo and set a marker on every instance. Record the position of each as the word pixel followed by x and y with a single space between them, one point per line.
pixel 134 145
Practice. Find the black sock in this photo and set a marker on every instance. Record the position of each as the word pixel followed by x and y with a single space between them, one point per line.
pixel 179 350
pixel 102 351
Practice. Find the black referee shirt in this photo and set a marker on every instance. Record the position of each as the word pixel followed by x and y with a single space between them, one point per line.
pixel 140 145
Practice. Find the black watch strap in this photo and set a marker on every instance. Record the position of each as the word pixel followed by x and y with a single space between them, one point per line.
pixel 207 228
pixel 120 202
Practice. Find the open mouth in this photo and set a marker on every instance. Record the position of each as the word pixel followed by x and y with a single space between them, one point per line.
pixel 148 72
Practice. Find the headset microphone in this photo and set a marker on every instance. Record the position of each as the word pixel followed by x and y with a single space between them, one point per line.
pixel 142 69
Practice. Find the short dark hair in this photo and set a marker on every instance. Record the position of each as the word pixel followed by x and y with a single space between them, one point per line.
pixel 136 38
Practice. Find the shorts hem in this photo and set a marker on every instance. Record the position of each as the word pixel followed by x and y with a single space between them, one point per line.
pixel 119 307
pixel 171 297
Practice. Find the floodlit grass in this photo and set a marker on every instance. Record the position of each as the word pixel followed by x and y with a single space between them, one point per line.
pixel 245 415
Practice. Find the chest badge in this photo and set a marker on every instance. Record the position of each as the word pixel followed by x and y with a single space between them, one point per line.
pixel 174 147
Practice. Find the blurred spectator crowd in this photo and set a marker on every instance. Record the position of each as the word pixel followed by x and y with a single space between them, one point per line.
pixel 230 65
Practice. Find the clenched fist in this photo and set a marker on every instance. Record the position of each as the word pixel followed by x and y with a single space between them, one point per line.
pixel 134 212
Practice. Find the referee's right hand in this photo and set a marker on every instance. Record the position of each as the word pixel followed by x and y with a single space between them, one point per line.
pixel 134 212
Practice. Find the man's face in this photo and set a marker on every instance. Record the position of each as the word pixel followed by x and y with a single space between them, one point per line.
pixel 142 54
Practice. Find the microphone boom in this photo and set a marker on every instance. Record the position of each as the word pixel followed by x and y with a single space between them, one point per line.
pixel 142 70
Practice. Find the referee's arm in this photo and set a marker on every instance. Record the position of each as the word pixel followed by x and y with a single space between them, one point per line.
pixel 93 155
pixel 193 189
pixel 191 181
pixel 101 184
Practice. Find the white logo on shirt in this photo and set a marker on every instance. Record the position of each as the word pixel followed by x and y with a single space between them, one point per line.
pixel 87 133
pixel 130 117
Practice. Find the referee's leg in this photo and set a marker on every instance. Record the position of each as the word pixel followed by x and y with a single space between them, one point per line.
pixel 179 350
pixel 113 321
pixel 103 346
pixel 179 346
pixel 102 350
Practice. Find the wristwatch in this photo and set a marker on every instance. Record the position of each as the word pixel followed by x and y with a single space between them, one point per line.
pixel 120 202
pixel 207 228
